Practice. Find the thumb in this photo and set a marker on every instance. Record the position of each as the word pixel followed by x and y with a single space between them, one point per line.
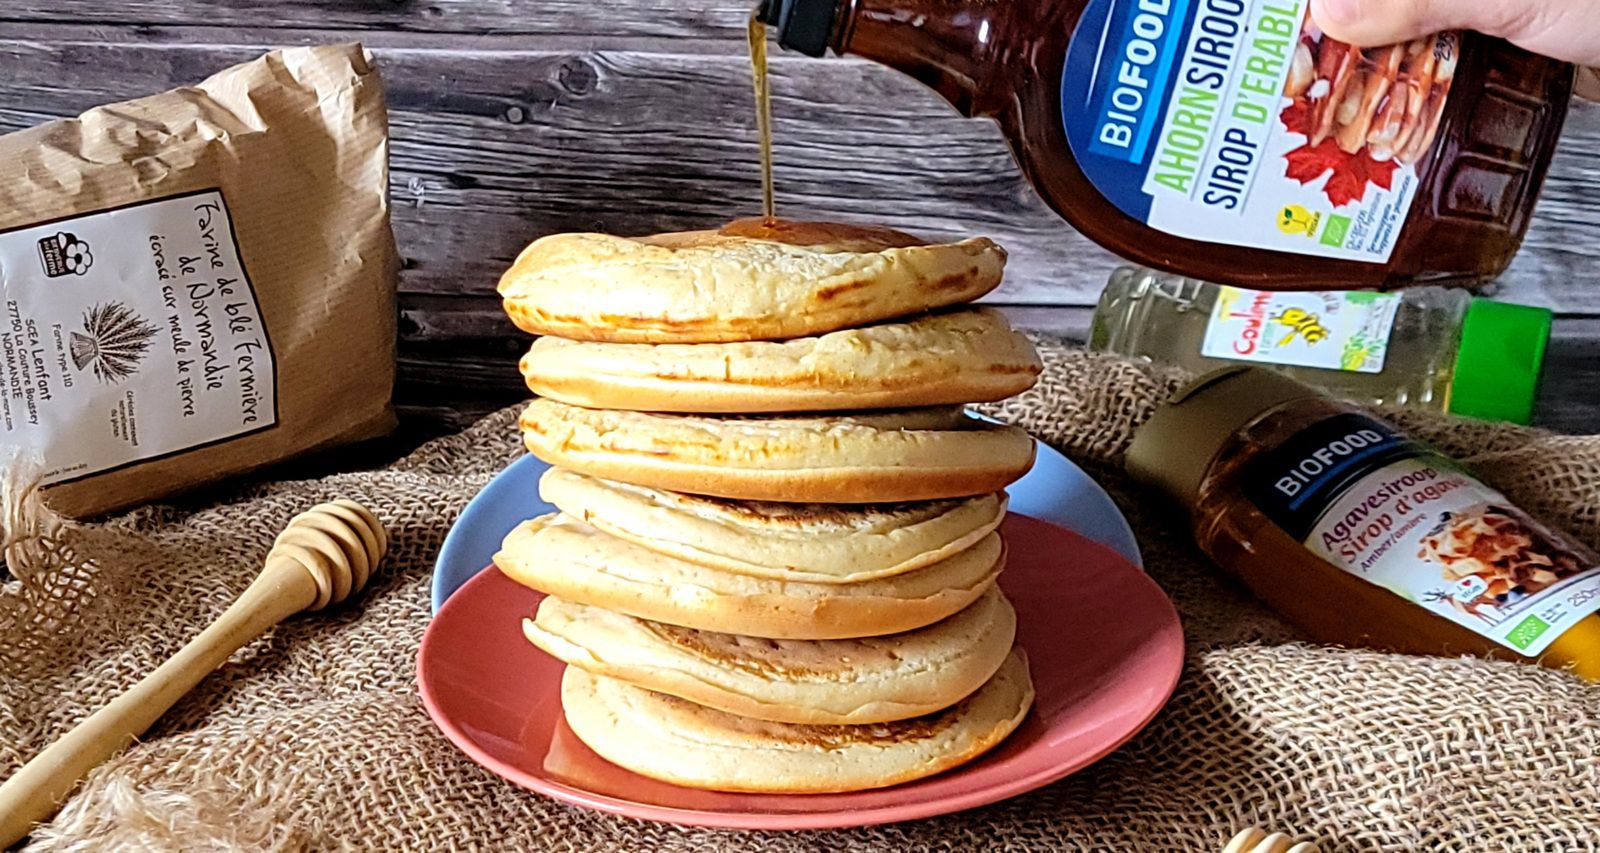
pixel 1563 29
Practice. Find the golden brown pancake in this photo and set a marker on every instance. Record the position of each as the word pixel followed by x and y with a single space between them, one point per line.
pixel 569 559
pixel 746 282
pixel 674 740
pixel 815 543
pixel 965 356
pixel 905 455
pixel 866 680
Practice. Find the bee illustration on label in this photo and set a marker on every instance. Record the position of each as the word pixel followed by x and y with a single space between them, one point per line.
pixel 1295 219
pixel 1302 324
pixel 113 342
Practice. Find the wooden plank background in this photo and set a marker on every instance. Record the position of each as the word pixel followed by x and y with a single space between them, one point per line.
pixel 517 118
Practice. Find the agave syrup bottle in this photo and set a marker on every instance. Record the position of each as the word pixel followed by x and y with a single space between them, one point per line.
pixel 1361 535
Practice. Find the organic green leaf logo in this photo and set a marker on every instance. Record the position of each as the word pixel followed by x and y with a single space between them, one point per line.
pixel 1527 631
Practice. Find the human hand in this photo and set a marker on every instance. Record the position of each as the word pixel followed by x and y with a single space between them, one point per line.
pixel 1563 29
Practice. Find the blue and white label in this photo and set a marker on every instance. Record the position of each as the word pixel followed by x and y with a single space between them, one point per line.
pixel 1237 122
pixel 1398 515
pixel 1140 68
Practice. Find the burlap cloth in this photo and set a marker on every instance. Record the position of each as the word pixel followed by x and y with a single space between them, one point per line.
pixel 314 736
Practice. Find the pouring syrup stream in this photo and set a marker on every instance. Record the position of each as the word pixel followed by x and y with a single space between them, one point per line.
pixel 758 73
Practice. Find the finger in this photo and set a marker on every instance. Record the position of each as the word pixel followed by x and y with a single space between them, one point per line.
pixel 1588 84
pixel 1563 29
pixel 1375 22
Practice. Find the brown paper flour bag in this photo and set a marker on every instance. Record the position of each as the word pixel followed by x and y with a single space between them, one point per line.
pixel 200 282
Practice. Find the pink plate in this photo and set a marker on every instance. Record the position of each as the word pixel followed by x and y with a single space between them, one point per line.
pixel 1102 639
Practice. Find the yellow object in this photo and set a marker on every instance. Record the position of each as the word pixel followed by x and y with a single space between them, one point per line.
pixel 1257 840
pixel 1301 323
pixel 1577 650
pixel 1295 219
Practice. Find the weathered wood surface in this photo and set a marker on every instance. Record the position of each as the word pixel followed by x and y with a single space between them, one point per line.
pixel 516 118
pixel 493 149
pixel 664 26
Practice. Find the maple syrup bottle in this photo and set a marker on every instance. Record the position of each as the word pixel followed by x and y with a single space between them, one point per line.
pixel 1230 140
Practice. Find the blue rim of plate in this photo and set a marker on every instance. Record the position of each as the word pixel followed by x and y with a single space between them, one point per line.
pixel 1056 490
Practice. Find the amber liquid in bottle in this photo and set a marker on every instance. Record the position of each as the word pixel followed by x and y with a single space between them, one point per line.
pixel 1329 604
pixel 1493 143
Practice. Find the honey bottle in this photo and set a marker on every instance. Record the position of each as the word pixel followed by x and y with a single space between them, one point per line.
pixel 1230 140
pixel 1425 347
pixel 1361 535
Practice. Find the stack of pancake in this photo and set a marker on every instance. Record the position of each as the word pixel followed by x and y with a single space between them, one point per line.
pixel 774 564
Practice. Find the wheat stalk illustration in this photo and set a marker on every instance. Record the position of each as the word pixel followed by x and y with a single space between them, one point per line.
pixel 114 339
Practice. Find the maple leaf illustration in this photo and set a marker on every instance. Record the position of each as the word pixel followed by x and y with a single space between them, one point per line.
pixel 1349 175
pixel 1296 117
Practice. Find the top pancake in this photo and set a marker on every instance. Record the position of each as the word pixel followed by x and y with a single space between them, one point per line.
pixel 749 281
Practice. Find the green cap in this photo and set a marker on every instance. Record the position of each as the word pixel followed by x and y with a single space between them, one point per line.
pixel 1498 362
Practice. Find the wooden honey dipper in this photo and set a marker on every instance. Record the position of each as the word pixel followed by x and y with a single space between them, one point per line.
pixel 1257 840
pixel 321 557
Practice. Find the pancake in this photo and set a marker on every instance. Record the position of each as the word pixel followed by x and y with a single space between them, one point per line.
pixel 906 455
pixel 673 740
pixel 815 543
pixel 746 282
pixel 870 680
pixel 965 356
pixel 569 559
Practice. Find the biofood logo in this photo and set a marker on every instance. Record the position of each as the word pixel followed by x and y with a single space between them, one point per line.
pixel 1132 106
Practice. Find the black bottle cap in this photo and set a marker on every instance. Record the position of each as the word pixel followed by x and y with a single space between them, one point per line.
pixel 803 25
